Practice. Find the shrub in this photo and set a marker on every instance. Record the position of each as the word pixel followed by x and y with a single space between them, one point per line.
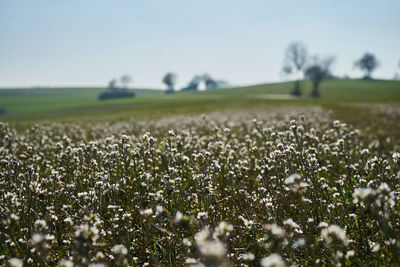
pixel 119 93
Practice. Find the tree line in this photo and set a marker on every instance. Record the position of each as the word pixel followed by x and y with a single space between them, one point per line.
pixel 118 88
pixel 299 64
pixel 170 79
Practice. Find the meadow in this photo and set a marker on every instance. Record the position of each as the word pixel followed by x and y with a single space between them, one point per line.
pixel 234 177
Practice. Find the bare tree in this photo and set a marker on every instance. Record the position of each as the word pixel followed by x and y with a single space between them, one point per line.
pixel 112 85
pixel 367 63
pixel 169 80
pixel 126 80
pixel 317 71
pixel 399 64
pixel 397 75
pixel 294 63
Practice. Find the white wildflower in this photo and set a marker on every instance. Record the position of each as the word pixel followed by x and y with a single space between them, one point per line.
pixel 15 262
pixel 273 260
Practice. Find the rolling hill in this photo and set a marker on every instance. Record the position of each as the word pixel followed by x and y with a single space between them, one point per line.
pixel 35 104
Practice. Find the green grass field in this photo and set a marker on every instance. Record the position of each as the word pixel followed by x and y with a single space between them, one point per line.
pixel 82 103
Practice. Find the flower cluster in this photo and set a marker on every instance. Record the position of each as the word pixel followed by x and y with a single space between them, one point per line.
pixel 291 186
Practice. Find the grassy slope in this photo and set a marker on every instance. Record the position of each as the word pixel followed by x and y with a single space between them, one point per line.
pixel 331 91
pixel 82 103
pixel 39 103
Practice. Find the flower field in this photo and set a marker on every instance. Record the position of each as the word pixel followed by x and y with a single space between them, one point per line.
pixel 287 187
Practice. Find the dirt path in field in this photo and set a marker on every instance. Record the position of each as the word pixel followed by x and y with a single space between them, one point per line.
pixel 274 96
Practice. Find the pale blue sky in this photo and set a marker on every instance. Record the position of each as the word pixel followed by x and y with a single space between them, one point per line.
pixel 88 42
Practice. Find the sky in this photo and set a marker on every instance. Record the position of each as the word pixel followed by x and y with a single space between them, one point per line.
pixel 88 43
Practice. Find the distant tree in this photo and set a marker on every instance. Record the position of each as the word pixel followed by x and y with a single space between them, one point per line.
pixel 397 75
pixel 317 71
pixel 112 94
pixel 169 80
pixel 112 85
pixel 193 84
pixel 367 63
pixel 209 82
pixel 115 91
pixel 126 80
pixel 294 63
